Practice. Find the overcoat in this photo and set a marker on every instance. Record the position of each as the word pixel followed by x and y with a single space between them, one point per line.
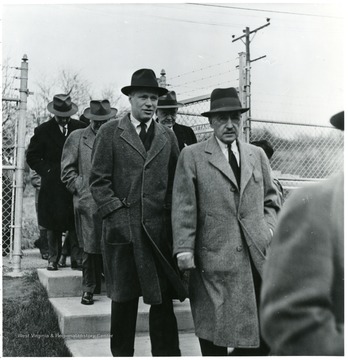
pixel 133 191
pixel 302 298
pixel 222 224
pixel 55 204
pixel 185 135
pixel 76 169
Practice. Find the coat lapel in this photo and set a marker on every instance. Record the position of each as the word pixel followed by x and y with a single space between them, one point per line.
pixel 247 161
pixel 130 135
pixel 55 133
pixel 218 160
pixel 88 137
pixel 158 142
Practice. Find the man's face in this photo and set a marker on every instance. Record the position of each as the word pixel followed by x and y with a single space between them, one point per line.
pixel 226 125
pixel 144 104
pixel 62 120
pixel 167 117
pixel 95 125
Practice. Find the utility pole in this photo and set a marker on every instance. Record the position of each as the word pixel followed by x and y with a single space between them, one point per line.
pixel 244 77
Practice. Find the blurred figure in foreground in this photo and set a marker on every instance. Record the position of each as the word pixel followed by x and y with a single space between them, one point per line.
pixel 302 299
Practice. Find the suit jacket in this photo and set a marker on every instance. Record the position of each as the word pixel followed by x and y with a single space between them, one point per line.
pixel 76 170
pixel 133 191
pixel 221 224
pixel 185 135
pixel 302 299
pixel 55 206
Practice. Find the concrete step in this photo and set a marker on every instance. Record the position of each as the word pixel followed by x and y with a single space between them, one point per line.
pixel 64 282
pixel 80 320
pixel 100 347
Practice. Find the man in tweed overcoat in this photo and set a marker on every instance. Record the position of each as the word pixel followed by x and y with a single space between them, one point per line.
pixel 133 164
pixel 223 215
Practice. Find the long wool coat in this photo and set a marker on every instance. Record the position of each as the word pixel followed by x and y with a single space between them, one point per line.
pixel 133 190
pixel 302 298
pixel 76 169
pixel 55 204
pixel 221 224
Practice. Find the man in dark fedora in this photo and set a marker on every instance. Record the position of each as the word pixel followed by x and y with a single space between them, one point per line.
pixel 223 214
pixel 76 169
pixel 133 163
pixel 302 297
pixel 55 205
pixel 167 110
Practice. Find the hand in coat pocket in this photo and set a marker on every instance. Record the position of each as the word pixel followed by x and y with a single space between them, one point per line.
pixel 185 261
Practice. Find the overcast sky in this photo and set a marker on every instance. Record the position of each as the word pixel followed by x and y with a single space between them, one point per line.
pixel 301 78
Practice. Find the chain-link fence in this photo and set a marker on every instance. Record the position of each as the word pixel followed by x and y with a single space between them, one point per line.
pixel 8 168
pixel 302 152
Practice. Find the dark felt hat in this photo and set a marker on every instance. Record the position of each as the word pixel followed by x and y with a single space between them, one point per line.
pixel 62 105
pixel 100 110
pixel 337 120
pixel 144 79
pixel 224 100
pixel 168 101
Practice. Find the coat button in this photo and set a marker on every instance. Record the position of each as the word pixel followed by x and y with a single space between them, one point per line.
pixel 232 189
pixel 239 248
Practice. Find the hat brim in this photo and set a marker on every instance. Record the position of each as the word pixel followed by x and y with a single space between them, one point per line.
pixel 88 115
pixel 337 120
pixel 225 109
pixel 128 89
pixel 178 105
pixel 52 110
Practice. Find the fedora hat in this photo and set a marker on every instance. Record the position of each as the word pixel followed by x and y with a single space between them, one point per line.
pixel 337 120
pixel 224 100
pixel 99 110
pixel 144 79
pixel 62 105
pixel 168 101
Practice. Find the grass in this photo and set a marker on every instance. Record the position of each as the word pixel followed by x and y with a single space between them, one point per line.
pixel 30 326
pixel 30 231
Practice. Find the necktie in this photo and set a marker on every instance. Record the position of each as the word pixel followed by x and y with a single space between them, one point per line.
pixel 142 133
pixel 233 162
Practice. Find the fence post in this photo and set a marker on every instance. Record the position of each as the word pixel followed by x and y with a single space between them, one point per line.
pixel 20 161
pixel 243 94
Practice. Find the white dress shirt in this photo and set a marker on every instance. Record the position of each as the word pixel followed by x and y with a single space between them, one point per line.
pixel 234 149
pixel 136 123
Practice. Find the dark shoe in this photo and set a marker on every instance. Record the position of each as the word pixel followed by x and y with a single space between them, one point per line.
pixel 76 265
pixel 87 298
pixel 52 266
pixel 62 261
pixel 44 256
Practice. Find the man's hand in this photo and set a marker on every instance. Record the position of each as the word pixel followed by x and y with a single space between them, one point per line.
pixel 185 261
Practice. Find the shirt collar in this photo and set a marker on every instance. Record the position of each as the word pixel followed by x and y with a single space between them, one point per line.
pixel 136 122
pixel 223 146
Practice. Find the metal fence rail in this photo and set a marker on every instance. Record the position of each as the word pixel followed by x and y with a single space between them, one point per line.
pixel 302 152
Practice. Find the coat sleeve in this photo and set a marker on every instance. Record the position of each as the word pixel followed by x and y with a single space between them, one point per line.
pixel 184 208
pixel 102 172
pixel 36 154
pixel 69 163
pixel 296 299
pixel 272 203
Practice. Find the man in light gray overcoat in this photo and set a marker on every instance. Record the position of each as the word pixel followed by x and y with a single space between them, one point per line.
pixel 133 164
pixel 223 214
pixel 75 173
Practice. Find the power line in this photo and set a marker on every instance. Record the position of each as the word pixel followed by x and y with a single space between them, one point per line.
pixel 268 11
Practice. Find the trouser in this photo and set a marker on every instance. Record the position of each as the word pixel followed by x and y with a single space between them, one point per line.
pixel 54 238
pixel 91 272
pixel 162 324
pixel 210 349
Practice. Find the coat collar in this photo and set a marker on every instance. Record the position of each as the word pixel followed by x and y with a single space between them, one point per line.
pixel 218 160
pixel 88 137
pixel 56 133
pixel 130 135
